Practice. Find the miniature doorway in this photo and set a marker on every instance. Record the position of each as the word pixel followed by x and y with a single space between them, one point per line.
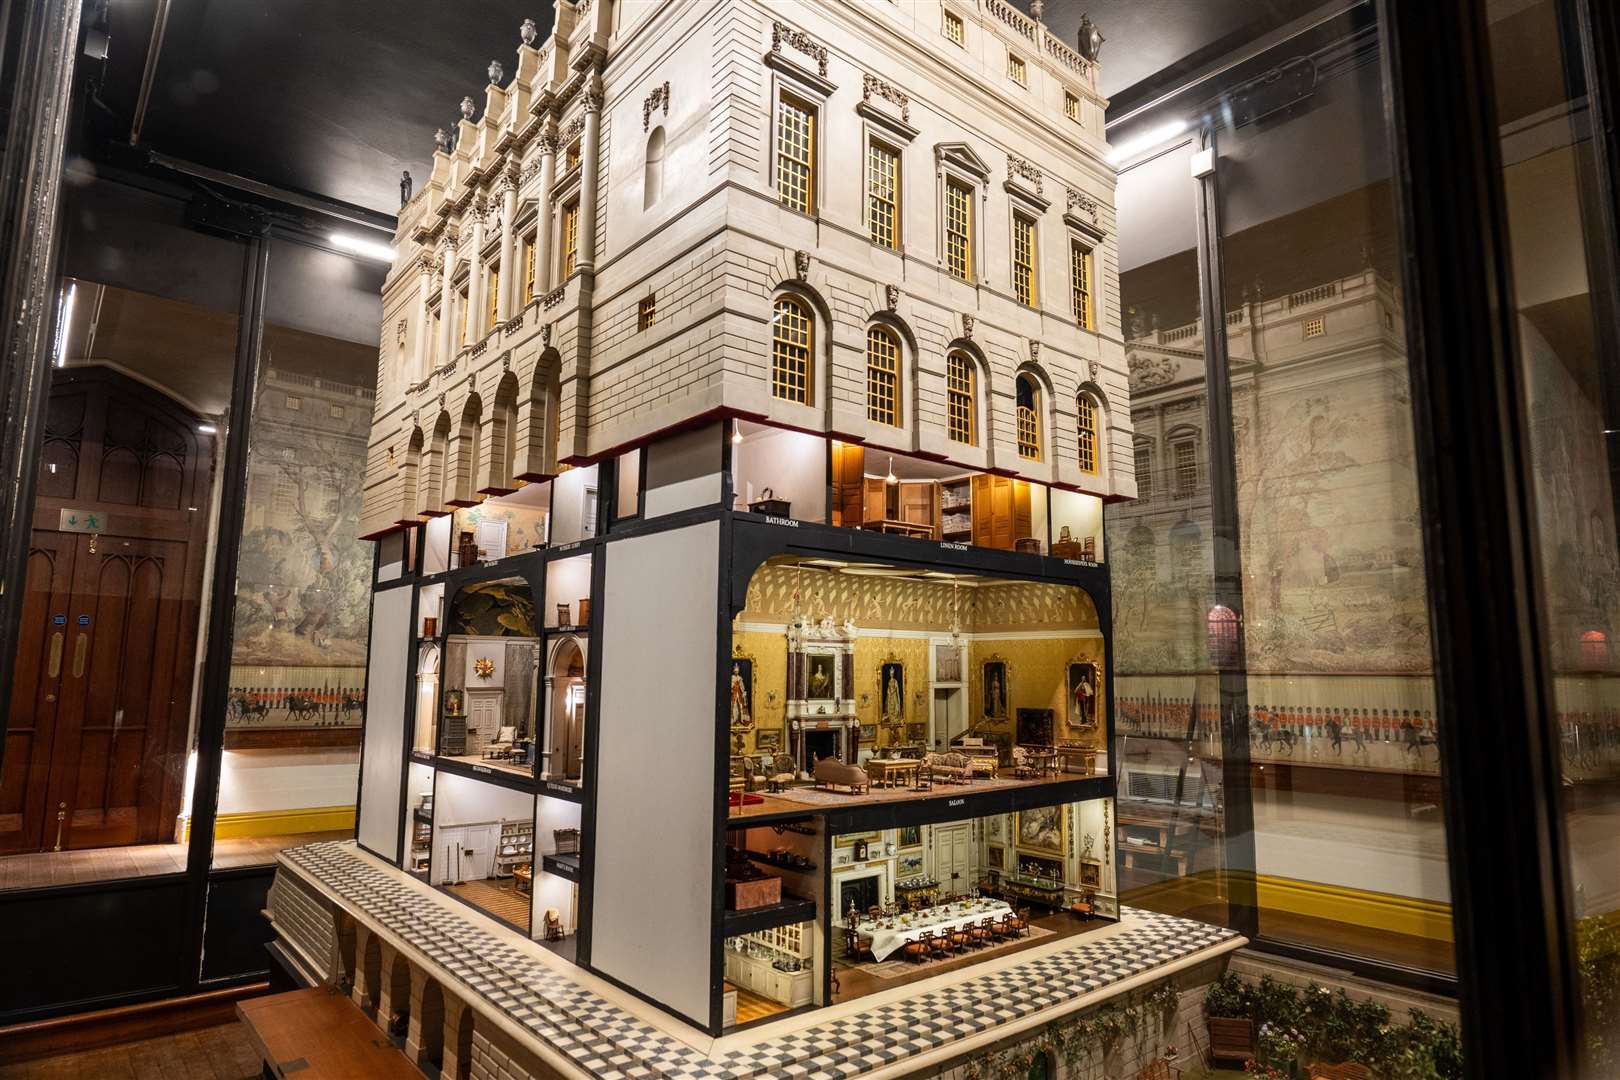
pixel 565 734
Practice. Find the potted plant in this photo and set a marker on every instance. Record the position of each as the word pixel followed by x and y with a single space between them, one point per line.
pixel 1228 1008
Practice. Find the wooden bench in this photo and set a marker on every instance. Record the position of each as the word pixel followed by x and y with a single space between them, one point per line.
pixel 318 1034
pixel 1348 1071
pixel 1230 1040
pixel 1159 1070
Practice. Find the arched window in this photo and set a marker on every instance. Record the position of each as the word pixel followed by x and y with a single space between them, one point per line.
pixel 1594 649
pixel 1223 639
pixel 1040 1066
pixel 792 338
pixel 1086 427
pixel 882 376
pixel 652 185
pixel 1029 417
pixel 960 402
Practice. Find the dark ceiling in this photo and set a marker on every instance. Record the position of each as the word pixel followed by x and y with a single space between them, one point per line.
pixel 335 98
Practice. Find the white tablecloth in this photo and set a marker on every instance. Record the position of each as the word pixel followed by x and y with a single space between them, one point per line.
pixel 930 922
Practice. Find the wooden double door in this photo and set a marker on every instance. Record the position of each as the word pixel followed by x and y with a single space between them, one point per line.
pixel 95 744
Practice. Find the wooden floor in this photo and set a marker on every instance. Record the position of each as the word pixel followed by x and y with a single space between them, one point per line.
pixel 45 868
pixel 751 1006
pixel 498 897
pixel 216 1053
pixel 853 982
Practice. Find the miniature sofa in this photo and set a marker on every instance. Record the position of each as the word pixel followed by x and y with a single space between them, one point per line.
pixel 832 773
pixel 952 767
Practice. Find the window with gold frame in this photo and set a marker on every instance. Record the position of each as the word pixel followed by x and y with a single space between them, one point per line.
pixel 1017 71
pixel 1086 428
pixel 1024 259
pixel 1080 266
pixel 528 270
pixel 954 29
pixel 571 157
pixel 882 376
pixel 492 300
pixel 959 229
pixel 570 234
pixel 461 299
pixel 792 338
pixel 1029 417
pixel 1071 106
pixel 795 154
pixel 883 194
pixel 959 398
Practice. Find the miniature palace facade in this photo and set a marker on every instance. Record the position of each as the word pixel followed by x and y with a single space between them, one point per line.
pixel 739 698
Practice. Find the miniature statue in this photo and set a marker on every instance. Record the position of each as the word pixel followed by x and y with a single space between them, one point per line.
pixel 468 108
pixel 529 32
pixel 1091 39
pixel 495 72
pixel 404 187
pixel 441 139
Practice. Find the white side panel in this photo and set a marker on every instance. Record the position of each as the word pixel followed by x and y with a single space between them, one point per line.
pixel 384 757
pixel 655 815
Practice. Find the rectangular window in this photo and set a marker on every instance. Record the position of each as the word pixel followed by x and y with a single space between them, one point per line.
pixel 1086 429
pixel 1016 70
pixel 883 195
pixel 1080 284
pixel 492 304
pixel 1315 328
pixel 1185 457
pixel 1024 259
pixel 791 341
pixel 462 300
pixel 647 312
pixel 528 270
pixel 1144 470
pixel 795 154
pixel 1071 106
pixel 294 404
pixel 570 235
pixel 959 229
pixel 571 157
pixel 955 29
pixel 336 412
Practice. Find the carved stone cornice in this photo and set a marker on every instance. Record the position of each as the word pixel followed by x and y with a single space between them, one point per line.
pixel 658 97
pixel 782 34
pixel 872 85
pixel 1017 166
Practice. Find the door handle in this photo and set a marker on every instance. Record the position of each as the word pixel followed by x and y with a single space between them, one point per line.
pixel 55 667
pixel 80 645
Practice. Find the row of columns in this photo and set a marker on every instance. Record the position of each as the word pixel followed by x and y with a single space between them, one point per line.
pixel 424 1032
pixel 508 299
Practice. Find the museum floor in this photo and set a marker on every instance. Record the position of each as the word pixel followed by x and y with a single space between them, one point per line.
pixel 498 897
pixel 224 1052
pixel 41 869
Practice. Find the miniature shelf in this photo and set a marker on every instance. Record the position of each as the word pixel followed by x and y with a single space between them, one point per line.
pixel 564 866
pixel 792 909
pixel 779 864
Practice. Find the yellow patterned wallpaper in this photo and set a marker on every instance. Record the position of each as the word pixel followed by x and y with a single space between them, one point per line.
pixel 1037 677
pixel 878 603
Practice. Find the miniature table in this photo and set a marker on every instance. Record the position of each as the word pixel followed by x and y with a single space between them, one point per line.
pixel 1080 759
pixel 892 771
pixel 983 765
pixel 930 922
pixel 523 877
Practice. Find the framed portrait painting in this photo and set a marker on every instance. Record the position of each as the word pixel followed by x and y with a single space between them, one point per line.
pixel 892 692
pixel 741 704
pixel 1083 694
pixel 1040 829
pixel 995 689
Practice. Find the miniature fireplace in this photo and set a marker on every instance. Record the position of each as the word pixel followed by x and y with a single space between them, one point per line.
pixel 820 703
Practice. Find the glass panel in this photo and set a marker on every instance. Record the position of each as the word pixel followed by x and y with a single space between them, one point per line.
pixel 1564 280
pixel 482 849
pixel 96 779
pixel 298 649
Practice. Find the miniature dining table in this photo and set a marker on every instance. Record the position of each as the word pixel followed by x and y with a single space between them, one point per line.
pixel 889 939
pixel 892 771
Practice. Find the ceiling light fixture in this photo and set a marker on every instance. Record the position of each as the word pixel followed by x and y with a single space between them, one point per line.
pixel 736 433
pixel 891 478
pixel 207 429
pixel 1149 139
pixel 356 245
pixel 64 321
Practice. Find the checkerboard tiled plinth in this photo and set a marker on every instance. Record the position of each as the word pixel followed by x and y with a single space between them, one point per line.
pixel 490 967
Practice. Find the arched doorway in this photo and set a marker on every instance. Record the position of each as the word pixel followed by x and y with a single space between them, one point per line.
pixel 565 730
pixel 346 950
pixel 430 1056
pixel 399 998
pixel 464 1046
pixel 373 976
pixel 95 747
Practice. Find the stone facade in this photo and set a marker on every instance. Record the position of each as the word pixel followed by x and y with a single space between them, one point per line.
pixel 634 153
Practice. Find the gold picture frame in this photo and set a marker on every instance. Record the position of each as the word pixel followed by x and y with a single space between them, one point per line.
pixel 1041 829
pixel 740 704
pixel 849 840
